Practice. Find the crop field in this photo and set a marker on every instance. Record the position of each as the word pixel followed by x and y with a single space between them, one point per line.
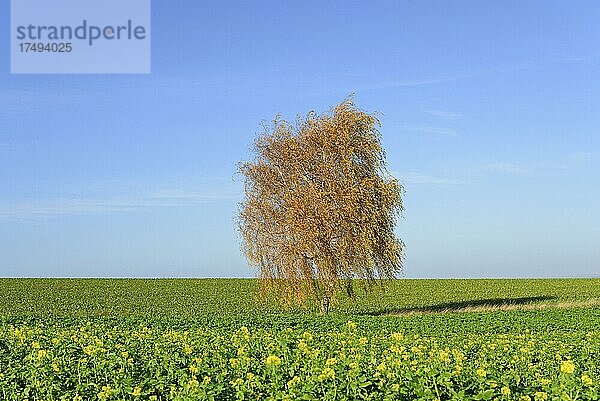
pixel 197 339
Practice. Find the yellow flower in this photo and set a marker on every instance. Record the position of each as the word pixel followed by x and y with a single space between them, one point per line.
pixel 351 325
pixel 567 367
pixel 505 391
pixel 194 369
pixel 331 361
pixel 137 392
pixel 397 336
pixel 540 396
pixel 237 382
pixel 586 380
pixel 525 398
pixel 363 341
pixel 327 373
pixel 35 345
pixel 245 333
pixel 302 346
pixel 41 354
pixel 105 393
pixel 481 372
pixel 545 382
pixel 295 380
pixel 444 356
pixel 273 360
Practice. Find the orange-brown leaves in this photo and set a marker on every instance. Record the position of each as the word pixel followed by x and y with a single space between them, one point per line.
pixel 320 206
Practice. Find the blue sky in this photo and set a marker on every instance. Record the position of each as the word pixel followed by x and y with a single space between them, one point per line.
pixel 490 117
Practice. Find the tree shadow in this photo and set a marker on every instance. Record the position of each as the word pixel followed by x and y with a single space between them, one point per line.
pixel 484 304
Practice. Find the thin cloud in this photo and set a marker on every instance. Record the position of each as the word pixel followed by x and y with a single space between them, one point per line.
pixel 414 178
pixel 524 66
pixel 522 169
pixel 446 115
pixel 27 100
pixel 440 80
pixel 475 174
pixel 576 59
pixel 584 156
pixel 416 82
pixel 432 130
pixel 510 168
pixel 115 204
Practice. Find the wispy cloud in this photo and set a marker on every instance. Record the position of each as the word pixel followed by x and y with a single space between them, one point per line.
pixel 27 100
pixel 417 82
pixel 510 168
pixel 413 178
pixel 584 156
pixel 432 130
pixel 577 59
pixel 523 168
pixel 501 69
pixel 110 204
pixel 449 78
pixel 485 171
pixel 14 144
pixel 446 115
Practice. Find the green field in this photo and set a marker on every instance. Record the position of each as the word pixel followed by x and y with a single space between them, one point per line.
pixel 188 339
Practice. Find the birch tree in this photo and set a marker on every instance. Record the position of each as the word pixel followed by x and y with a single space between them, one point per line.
pixel 320 207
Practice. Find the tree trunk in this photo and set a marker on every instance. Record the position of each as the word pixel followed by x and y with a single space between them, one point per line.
pixel 325 305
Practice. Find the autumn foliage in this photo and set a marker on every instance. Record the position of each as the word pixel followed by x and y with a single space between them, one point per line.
pixel 320 206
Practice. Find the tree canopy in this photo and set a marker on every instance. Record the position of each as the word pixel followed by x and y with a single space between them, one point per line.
pixel 320 206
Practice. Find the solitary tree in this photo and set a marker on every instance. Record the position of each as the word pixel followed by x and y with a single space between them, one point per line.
pixel 320 206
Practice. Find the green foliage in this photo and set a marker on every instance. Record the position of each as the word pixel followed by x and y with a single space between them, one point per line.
pixel 227 297
pixel 196 339
pixel 97 360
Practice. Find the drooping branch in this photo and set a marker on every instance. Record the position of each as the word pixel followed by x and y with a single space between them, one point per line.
pixel 320 206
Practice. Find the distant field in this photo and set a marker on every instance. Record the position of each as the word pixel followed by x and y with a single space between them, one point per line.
pixel 189 339
pixel 189 297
